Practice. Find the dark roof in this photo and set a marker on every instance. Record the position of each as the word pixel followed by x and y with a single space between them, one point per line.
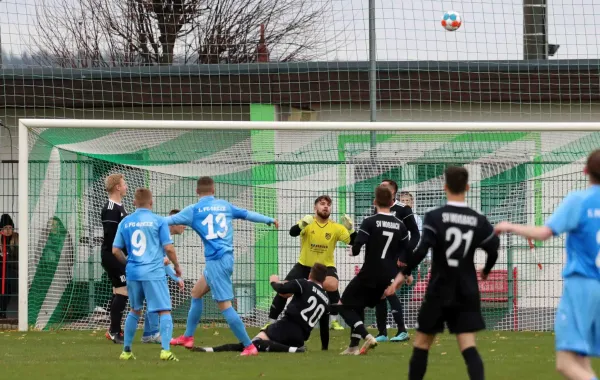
pixel 303 83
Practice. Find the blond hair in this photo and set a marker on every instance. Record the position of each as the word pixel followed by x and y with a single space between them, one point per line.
pixel 112 181
pixel 143 197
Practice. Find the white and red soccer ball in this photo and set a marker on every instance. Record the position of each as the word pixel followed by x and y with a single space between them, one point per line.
pixel 451 21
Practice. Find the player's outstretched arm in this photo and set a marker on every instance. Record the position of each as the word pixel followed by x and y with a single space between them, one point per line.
pixel 184 217
pixel 251 216
pixel 564 219
pixel 540 233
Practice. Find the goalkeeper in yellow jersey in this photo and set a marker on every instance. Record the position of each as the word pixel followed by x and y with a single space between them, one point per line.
pixel 319 236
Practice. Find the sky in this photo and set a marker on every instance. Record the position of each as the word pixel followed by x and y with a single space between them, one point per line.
pixel 405 29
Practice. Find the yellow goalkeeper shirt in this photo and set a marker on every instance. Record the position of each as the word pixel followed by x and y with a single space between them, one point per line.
pixel 317 243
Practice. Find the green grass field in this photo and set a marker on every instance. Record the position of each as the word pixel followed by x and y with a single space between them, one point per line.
pixel 88 355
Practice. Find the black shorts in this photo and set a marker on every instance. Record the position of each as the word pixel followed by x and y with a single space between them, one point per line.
pixel 361 294
pixel 462 317
pixel 302 271
pixel 115 270
pixel 285 332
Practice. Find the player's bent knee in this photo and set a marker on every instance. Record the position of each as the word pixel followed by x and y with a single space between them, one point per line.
pixel 122 290
pixel 200 288
pixel 164 312
pixel 331 284
pixel 224 305
pixel 465 341
pixel 565 361
pixel 423 341
pixel 136 312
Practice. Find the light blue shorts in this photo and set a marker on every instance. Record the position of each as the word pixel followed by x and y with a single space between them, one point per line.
pixel 577 324
pixel 155 292
pixel 218 277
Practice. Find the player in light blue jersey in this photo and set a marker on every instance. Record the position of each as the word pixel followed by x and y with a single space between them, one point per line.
pixel 145 236
pixel 577 324
pixel 151 321
pixel 212 218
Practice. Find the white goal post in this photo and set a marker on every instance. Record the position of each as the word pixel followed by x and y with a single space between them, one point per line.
pixel 519 171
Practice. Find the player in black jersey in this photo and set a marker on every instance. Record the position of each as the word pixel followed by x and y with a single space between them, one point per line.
pixel 385 237
pixel 405 213
pixel 309 304
pixel 454 232
pixel 112 214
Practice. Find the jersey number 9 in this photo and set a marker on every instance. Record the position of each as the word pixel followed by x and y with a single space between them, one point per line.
pixel 315 311
pixel 138 242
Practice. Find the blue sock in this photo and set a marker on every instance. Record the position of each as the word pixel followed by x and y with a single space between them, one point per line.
pixel 237 326
pixel 150 324
pixel 166 331
pixel 130 326
pixel 595 378
pixel 193 316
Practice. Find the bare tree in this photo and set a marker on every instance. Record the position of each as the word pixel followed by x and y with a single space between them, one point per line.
pixel 102 33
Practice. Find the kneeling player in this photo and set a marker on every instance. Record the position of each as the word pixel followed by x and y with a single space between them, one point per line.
pixel 454 231
pixel 385 237
pixel 308 305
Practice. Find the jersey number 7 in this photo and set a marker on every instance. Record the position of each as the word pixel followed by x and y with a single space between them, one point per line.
pixel 456 236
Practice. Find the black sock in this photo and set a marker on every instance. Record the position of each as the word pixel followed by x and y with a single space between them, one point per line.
pixel 418 364
pixel 381 317
pixel 118 305
pixel 397 313
pixel 277 307
pixel 238 347
pixel 353 319
pixel 474 363
pixel 334 298
pixel 270 346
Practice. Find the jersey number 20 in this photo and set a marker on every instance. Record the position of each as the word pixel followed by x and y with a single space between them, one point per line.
pixel 456 236
pixel 209 221
pixel 315 311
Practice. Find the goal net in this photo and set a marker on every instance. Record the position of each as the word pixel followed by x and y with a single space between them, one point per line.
pixel 278 169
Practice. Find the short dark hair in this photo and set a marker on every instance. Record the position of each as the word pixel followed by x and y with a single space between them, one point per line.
pixel 142 196
pixel 457 179
pixel 318 272
pixel 320 198
pixel 383 196
pixel 593 166
pixel 406 194
pixel 205 185
pixel 174 211
pixel 392 184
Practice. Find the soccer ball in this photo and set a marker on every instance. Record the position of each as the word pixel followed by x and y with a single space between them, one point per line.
pixel 451 21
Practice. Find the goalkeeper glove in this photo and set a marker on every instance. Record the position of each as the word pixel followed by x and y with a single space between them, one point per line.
pixel 305 221
pixel 348 223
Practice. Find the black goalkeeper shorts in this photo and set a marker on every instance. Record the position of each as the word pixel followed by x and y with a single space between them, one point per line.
pixel 302 271
pixel 115 270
